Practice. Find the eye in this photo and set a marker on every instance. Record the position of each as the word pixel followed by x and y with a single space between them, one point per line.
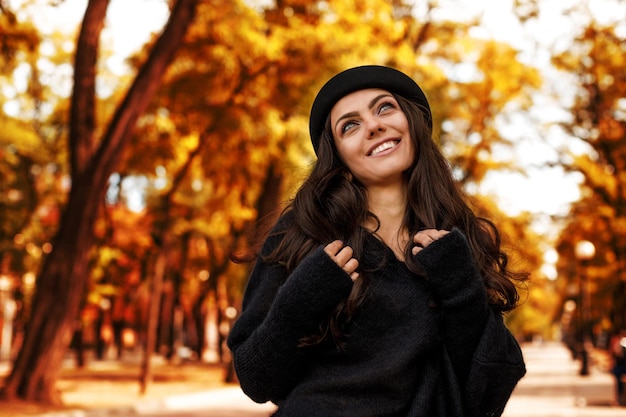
pixel 386 106
pixel 347 126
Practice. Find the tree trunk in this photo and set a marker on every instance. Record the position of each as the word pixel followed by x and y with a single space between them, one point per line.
pixel 60 289
pixel 62 281
pixel 153 315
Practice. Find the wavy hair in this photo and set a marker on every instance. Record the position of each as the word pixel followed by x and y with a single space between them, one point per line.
pixel 330 205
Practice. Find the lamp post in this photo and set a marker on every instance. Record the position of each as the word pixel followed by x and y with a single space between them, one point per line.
pixel 584 251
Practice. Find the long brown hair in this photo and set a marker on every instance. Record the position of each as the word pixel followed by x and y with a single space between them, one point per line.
pixel 331 205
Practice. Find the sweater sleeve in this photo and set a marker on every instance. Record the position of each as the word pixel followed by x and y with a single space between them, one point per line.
pixel 486 358
pixel 460 290
pixel 279 309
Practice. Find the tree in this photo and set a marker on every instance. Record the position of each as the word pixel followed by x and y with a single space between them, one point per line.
pixel 596 62
pixel 62 281
pixel 18 159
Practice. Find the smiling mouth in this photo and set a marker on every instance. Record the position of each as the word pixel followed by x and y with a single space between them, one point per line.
pixel 384 146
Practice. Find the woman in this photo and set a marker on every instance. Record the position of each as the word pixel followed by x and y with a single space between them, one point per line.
pixel 378 292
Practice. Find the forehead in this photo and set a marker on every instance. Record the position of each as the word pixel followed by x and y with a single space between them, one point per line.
pixel 356 101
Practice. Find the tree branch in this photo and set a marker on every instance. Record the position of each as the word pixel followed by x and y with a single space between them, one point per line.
pixel 83 109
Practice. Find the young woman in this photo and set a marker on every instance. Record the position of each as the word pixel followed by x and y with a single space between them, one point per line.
pixel 378 292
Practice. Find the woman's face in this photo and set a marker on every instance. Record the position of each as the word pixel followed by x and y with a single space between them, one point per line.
pixel 371 134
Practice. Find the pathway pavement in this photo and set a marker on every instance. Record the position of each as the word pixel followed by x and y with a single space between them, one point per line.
pixel 551 388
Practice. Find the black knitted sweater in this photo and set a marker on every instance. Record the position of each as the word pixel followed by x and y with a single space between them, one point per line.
pixel 427 347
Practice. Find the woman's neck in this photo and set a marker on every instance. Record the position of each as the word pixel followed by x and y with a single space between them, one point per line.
pixel 389 205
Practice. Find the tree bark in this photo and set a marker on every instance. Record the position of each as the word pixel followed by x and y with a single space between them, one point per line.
pixel 82 109
pixel 156 292
pixel 64 276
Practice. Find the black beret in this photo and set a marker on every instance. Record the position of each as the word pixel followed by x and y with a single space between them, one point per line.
pixel 360 78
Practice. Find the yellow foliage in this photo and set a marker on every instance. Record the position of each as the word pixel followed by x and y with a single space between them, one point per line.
pixel 234 108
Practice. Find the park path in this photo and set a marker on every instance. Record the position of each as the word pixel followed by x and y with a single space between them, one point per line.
pixel 552 387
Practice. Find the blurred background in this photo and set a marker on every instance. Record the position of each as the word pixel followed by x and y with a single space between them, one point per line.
pixel 143 140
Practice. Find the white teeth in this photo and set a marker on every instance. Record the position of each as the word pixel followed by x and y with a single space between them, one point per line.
pixel 383 147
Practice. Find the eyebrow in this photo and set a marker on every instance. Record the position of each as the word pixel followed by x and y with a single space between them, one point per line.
pixel 371 104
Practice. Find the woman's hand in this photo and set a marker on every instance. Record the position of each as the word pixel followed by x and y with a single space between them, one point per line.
pixel 425 237
pixel 342 255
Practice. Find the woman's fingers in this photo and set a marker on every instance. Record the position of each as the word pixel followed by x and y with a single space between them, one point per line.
pixel 342 256
pixel 350 268
pixel 423 238
pixel 333 247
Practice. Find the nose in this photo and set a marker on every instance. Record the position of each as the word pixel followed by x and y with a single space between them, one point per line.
pixel 375 127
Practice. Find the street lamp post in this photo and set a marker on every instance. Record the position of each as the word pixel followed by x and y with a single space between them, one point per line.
pixel 584 251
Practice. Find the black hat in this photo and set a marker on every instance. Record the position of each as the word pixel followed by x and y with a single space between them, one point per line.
pixel 359 78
